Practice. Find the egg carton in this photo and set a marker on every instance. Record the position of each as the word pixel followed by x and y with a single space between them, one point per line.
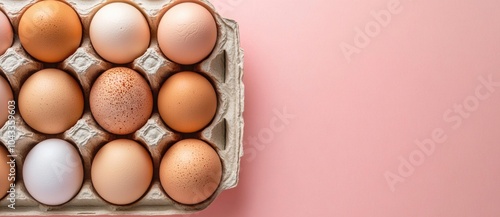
pixel 224 67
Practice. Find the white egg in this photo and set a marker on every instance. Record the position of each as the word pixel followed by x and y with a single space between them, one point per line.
pixel 53 172
pixel 119 32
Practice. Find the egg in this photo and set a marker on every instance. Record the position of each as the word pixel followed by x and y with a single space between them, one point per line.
pixel 51 101
pixel 119 32
pixel 50 31
pixel 53 172
pixel 187 33
pixel 122 171
pixel 5 97
pixel 187 102
pixel 190 171
pixel 6 33
pixel 121 100
pixel 6 177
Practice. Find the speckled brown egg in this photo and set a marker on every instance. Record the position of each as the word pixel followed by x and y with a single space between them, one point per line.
pixel 50 31
pixel 190 171
pixel 51 101
pixel 121 100
pixel 187 102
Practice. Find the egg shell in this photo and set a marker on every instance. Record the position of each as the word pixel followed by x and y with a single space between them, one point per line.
pixel 53 172
pixel 122 171
pixel 187 102
pixel 50 31
pixel 7 35
pixel 5 181
pixel 187 33
pixel 51 101
pixel 121 100
pixel 190 171
pixel 119 32
pixel 5 96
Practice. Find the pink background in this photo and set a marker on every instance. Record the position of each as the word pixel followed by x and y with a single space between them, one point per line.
pixel 354 120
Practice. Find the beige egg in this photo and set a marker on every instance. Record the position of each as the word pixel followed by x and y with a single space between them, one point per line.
pixel 51 101
pixel 121 100
pixel 187 102
pixel 190 171
pixel 122 171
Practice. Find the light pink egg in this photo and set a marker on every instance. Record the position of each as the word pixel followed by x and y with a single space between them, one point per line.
pixel 187 33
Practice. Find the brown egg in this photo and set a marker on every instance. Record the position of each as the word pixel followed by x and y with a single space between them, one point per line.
pixel 5 97
pixel 122 171
pixel 187 102
pixel 5 178
pixel 121 100
pixel 51 101
pixel 190 171
pixel 50 31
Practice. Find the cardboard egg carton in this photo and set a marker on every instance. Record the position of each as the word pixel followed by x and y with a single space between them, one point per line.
pixel 224 68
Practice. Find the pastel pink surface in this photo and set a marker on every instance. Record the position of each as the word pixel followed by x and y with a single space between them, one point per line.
pixel 352 121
